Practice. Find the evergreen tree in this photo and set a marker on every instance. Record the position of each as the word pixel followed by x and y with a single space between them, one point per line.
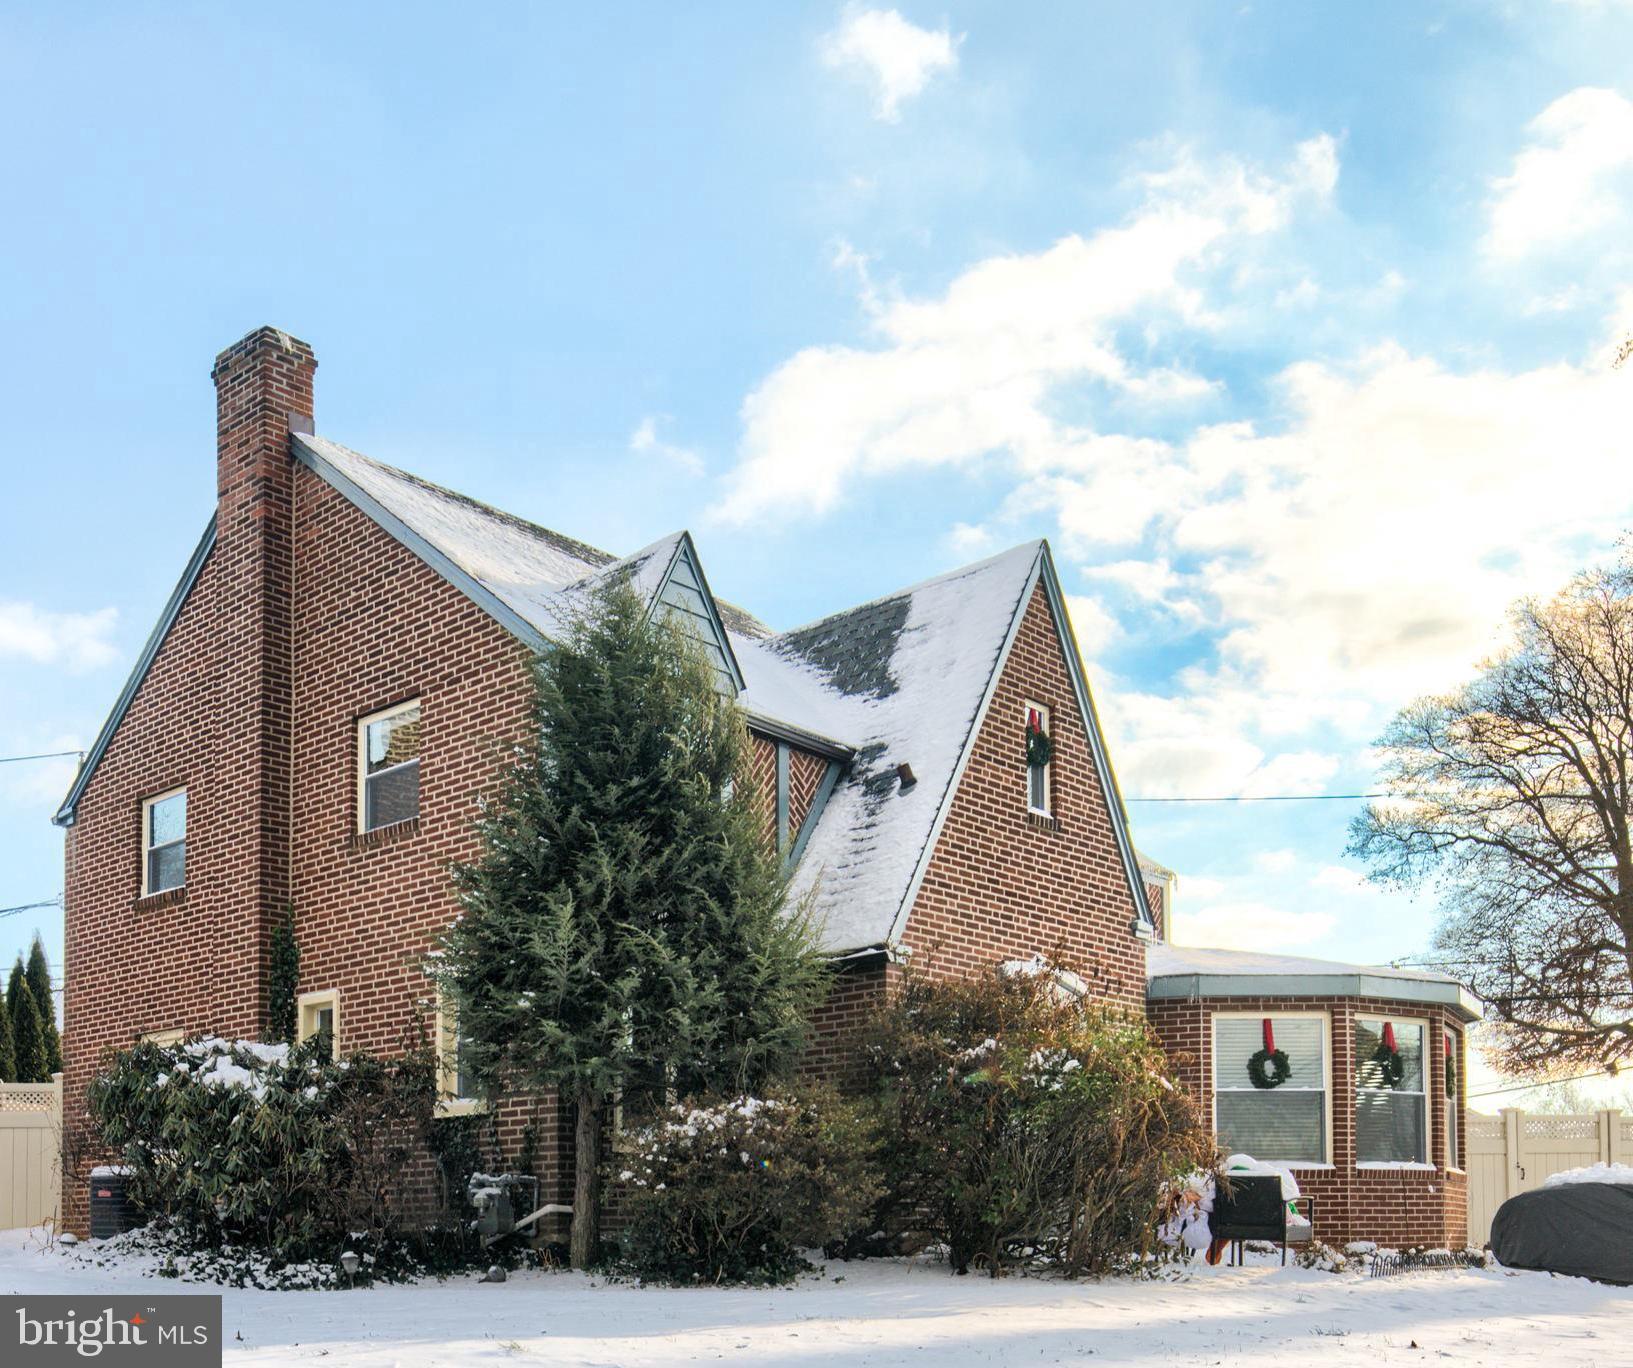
pixel 625 921
pixel 38 974
pixel 28 1040
pixel 19 975
pixel 284 975
pixel 8 1058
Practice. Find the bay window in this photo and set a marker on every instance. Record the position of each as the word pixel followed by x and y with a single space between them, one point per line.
pixel 1391 1115
pixel 1283 1122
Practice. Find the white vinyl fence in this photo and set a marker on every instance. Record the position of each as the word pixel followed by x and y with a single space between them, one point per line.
pixel 1514 1151
pixel 30 1146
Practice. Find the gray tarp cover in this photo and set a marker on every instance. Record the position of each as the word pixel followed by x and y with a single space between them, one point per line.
pixel 1584 1229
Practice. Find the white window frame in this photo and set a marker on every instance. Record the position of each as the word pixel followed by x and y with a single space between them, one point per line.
pixel 1454 1104
pixel 148 804
pixel 1325 1018
pixel 307 1007
pixel 1423 1023
pixel 1044 715
pixel 449 1102
pixel 363 776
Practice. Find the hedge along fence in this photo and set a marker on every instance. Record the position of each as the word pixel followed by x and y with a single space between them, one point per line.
pixel 1019 1126
pixel 274 1146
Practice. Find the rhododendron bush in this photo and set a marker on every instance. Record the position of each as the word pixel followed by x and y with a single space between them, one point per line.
pixel 732 1190
pixel 278 1147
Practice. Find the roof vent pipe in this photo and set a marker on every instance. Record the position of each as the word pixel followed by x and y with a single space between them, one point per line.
pixel 904 774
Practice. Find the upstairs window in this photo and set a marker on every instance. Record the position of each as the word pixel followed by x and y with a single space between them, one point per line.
pixel 1270 1087
pixel 1391 1120
pixel 1040 753
pixel 164 842
pixel 388 780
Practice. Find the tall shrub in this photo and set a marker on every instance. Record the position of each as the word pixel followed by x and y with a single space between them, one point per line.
pixel 8 1057
pixel 28 1038
pixel 624 923
pixel 38 975
pixel 1021 1126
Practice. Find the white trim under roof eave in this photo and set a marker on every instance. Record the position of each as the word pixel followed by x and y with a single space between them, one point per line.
pixel 450 570
pixel 898 923
pixel 1360 984
pixel 1145 923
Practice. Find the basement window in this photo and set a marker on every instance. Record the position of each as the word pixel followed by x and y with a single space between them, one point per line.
pixel 456 1087
pixel 319 1014
pixel 164 842
pixel 388 766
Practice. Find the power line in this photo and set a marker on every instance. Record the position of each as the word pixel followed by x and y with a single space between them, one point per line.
pixel 29 907
pixel 45 755
pixel 1546 1083
pixel 1267 798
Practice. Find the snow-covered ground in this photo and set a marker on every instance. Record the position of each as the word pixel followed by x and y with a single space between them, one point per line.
pixel 884 1313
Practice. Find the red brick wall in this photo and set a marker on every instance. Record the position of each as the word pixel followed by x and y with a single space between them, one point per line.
pixel 1004 884
pixel 1395 1207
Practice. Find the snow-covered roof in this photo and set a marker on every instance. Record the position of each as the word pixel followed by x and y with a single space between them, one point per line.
pixel 1187 972
pixel 901 680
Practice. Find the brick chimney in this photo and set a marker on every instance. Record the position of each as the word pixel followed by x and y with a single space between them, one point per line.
pixel 263 392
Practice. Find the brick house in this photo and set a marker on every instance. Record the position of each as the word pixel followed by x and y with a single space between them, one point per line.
pixel 323 701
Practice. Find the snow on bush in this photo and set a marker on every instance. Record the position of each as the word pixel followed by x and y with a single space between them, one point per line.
pixel 274 1147
pixel 1593 1173
pixel 730 1191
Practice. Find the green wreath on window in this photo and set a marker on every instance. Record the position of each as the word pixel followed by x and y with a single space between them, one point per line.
pixel 1388 1058
pixel 1040 750
pixel 1268 1068
pixel 1451 1075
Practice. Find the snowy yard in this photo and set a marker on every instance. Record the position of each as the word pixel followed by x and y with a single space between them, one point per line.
pixel 881 1314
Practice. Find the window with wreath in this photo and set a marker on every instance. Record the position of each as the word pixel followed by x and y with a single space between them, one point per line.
pixel 1270 1086
pixel 1040 754
pixel 388 761
pixel 1391 1115
pixel 1451 1049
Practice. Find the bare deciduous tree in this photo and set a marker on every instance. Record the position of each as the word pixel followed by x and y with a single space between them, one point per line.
pixel 1510 800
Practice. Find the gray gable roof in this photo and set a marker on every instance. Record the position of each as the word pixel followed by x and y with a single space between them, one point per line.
pixel 903 679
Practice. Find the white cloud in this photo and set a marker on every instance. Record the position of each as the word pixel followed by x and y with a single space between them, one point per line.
pixel 1249 925
pixel 971 372
pixel 1339 879
pixel 1093 626
pixel 1275 861
pixel 897 58
pixel 644 441
pixel 39 785
pixel 969 539
pixel 1572 179
pixel 78 641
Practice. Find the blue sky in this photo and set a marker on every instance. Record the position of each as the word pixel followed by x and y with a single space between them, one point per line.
pixel 1287 324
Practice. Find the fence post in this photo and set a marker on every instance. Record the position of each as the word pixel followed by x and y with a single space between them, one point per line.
pixel 1610 1135
pixel 56 1107
pixel 1513 1133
